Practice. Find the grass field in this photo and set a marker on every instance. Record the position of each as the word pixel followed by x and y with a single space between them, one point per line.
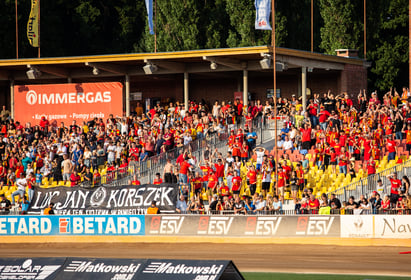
pixel 294 276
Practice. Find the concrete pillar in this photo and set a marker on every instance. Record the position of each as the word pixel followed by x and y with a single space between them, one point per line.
pixel 69 80
pixel 127 82
pixel 12 98
pixel 186 93
pixel 245 87
pixel 304 87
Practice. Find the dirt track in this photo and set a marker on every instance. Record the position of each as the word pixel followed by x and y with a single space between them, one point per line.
pixel 247 257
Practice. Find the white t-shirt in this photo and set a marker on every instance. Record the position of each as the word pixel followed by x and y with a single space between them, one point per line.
pixel 111 150
pixel 21 184
pixel 259 157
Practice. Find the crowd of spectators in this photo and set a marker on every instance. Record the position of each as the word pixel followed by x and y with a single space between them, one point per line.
pixel 336 129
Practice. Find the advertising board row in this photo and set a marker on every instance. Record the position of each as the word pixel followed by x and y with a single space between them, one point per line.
pixel 116 269
pixel 353 226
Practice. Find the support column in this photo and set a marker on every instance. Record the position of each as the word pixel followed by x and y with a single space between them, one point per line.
pixel 69 80
pixel 12 98
pixel 304 87
pixel 245 87
pixel 186 90
pixel 127 82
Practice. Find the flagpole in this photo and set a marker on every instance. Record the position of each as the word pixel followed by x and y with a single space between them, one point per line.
pixel 39 30
pixel 17 32
pixel 274 88
pixel 155 26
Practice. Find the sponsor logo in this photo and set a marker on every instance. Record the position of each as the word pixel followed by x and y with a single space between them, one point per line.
pixel 214 225
pixel 391 227
pixel 34 98
pixel 168 268
pixel 122 272
pixel 64 225
pixel 27 271
pixel 314 225
pixel 262 225
pixel 166 224
pixel 25 225
pixel 106 225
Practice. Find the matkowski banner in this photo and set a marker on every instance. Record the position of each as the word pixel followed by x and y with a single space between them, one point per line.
pixel 122 200
pixel 67 102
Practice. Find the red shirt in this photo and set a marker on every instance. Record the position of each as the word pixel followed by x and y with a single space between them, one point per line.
pixel 136 182
pixel 184 166
pixel 236 181
pixel 395 185
pixel 225 191
pixel 314 204
pixel 391 146
pixel 158 181
pixel 371 168
pixel 281 179
pixel 306 134
pixel 323 116
pixel 219 170
pixel 252 177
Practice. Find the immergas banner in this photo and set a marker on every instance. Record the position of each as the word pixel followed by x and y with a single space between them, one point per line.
pixel 255 226
pixel 72 225
pixel 116 269
pixel 67 102
pixel 121 200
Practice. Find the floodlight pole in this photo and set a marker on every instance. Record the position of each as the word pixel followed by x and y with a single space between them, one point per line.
pixel 274 88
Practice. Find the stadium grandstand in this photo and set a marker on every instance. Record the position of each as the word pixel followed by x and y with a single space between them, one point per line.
pixel 340 156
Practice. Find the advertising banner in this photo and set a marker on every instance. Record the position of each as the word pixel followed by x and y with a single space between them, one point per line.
pixel 258 226
pixel 67 102
pixel 30 268
pixel 72 225
pixel 392 226
pixel 82 268
pixel 121 200
pixel 116 269
pixel 262 14
pixel 360 226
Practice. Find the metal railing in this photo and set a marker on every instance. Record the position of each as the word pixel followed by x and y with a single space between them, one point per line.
pixel 301 212
pixel 366 186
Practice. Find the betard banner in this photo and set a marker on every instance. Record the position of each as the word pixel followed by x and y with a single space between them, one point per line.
pixel 67 102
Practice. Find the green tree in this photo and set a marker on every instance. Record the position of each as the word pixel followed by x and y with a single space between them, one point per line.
pixel 342 25
pixel 388 45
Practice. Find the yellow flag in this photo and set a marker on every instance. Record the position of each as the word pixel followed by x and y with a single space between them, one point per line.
pixel 33 24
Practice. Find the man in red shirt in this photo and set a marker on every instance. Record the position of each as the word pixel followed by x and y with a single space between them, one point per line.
pixel 313 205
pixel 219 170
pixel 252 179
pixel 371 166
pixel 323 116
pixel 306 137
pixel 392 148
pixel 395 188
pixel 157 180
pixel 236 184
pixel 183 175
pixel 407 137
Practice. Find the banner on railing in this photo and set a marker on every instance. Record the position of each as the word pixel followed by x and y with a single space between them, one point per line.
pixel 122 200
pixel 228 225
pixel 392 226
pixel 360 226
pixel 120 269
pixel 72 225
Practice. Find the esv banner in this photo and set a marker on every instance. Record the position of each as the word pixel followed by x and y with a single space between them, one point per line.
pixel 67 102
pixel 72 225
pixel 262 14
pixel 123 200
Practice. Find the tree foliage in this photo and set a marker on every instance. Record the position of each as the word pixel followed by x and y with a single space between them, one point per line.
pixel 87 27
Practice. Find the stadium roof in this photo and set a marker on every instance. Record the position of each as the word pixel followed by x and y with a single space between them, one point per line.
pixel 196 61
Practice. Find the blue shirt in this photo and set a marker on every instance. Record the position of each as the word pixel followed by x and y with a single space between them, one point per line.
pixel 182 205
pixel 253 134
pixel 39 177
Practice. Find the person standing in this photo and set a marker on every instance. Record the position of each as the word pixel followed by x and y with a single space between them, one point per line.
pixel 21 188
pixel 395 188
